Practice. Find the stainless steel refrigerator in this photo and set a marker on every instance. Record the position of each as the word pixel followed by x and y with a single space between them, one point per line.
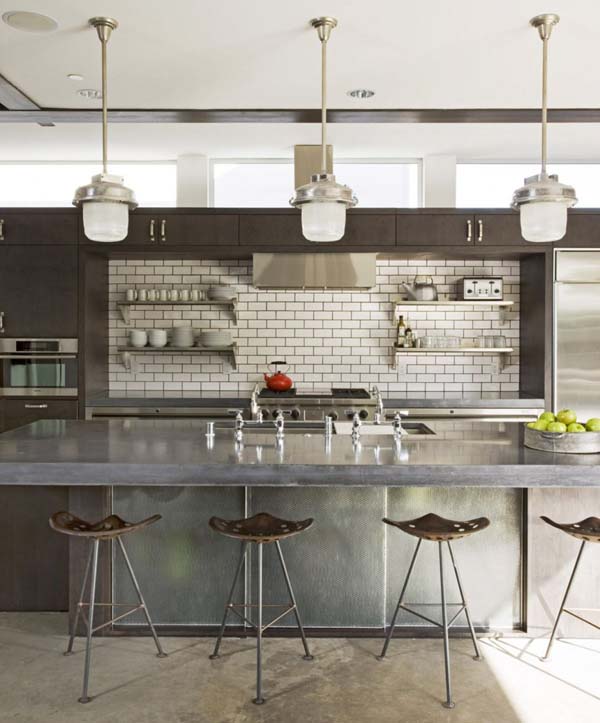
pixel 577 332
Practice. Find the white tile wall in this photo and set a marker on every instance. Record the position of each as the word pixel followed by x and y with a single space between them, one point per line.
pixel 327 337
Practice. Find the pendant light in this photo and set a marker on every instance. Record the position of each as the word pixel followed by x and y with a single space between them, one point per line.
pixel 105 201
pixel 543 201
pixel 323 201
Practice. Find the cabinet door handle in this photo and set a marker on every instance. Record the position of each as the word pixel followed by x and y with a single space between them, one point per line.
pixel 469 231
pixel 2 322
pixel 1 229
pixel 36 406
pixel 152 230
pixel 479 231
pixel 163 230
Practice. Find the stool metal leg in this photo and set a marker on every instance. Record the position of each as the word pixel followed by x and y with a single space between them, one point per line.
pixel 88 650
pixel 477 655
pixel 448 703
pixel 69 650
pixel 307 655
pixel 161 653
pixel 564 602
pixel 399 605
pixel 259 700
pixel 215 653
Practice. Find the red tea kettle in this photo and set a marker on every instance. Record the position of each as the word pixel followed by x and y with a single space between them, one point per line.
pixel 278 381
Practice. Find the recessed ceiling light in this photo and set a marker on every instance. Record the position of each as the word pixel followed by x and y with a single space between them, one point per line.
pixel 361 93
pixel 90 93
pixel 30 22
pixel 75 76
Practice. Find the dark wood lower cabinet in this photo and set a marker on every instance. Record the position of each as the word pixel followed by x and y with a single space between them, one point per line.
pixel 34 560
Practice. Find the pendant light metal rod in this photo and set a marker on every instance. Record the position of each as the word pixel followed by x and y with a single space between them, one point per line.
pixel 544 24
pixel 324 106
pixel 104 109
pixel 104 27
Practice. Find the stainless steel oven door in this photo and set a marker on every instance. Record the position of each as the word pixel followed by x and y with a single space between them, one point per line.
pixel 45 375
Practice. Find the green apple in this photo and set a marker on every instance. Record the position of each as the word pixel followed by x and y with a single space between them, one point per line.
pixel 566 416
pixel 541 425
pixel 556 427
pixel 593 425
pixel 547 417
pixel 576 427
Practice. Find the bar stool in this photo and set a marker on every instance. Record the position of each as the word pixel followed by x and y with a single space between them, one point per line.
pixel 261 529
pixel 587 530
pixel 438 529
pixel 111 528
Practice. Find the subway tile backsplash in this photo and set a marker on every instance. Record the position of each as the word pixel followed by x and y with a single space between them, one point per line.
pixel 327 337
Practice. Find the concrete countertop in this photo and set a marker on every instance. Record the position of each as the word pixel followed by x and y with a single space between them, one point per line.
pixel 177 452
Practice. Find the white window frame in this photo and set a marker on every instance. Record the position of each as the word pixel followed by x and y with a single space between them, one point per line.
pixel 341 161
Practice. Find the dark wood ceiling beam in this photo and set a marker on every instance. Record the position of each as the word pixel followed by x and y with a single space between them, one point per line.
pixel 46 116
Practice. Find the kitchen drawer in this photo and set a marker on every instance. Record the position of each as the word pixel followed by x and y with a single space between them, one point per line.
pixel 18 412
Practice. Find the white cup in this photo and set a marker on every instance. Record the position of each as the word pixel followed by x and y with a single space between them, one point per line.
pixel 130 295
pixel 151 294
pixel 138 338
pixel 195 295
pixel 157 337
pixel 164 294
pixel 174 295
pixel 142 295
pixel 184 295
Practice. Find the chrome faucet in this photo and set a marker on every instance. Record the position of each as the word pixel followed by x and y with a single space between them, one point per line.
pixel 379 410
pixel 356 425
pixel 239 426
pixel 398 429
pixel 280 425
pixel 328 426
pixel 254 407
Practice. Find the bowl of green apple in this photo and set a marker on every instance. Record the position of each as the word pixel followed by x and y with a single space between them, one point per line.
pixel 562 432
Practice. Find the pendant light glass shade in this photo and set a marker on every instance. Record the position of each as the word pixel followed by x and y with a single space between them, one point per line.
pixel 106 201
pixel 543 201
pixel 323 201
pixel 323 220
pixel 544 221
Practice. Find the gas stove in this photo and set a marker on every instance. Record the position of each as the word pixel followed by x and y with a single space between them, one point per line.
pixel 316 404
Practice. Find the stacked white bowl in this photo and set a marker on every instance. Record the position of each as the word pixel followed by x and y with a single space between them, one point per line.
pixel 182 336
pixel 215 338
pixel 221 293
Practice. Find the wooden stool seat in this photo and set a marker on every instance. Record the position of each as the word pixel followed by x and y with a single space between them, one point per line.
pixel 587 530
pixel 262 527
pixel 439 529
pixel 111 526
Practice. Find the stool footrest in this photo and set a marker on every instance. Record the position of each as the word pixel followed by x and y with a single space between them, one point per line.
pixel 288 609
pixel 134 609
pixel 570 611
pixel 430 620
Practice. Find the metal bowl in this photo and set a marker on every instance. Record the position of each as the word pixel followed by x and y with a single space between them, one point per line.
pixel 563 442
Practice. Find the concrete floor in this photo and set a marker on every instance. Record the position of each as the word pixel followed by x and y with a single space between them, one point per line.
pixel 344 684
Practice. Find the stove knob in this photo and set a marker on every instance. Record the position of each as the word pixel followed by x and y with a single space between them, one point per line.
pixel 363 414
pixel 265 413
pixel 276 413
pixel 295 414
pixel 333 415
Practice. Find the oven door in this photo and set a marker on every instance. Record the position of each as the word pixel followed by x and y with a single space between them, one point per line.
pixel 46 375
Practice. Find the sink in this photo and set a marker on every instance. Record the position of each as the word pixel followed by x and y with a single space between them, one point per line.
pixel 386 429
pixel 268 428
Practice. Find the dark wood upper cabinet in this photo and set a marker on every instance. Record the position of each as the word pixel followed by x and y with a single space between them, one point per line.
pixel 273 229
pixel 583 231
pixel 38 227
pixel 435 229
pixel 498 229
pixel 38 290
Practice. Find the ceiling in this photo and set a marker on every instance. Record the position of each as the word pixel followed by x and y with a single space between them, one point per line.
pixel 190 54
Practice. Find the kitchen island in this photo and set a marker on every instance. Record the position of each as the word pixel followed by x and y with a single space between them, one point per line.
pixel 349 566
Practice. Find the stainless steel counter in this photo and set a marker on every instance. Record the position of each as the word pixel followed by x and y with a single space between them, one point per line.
pixel 177 452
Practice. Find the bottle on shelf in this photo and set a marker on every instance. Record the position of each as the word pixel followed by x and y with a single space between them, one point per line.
pixel 409 336
pixel 401 333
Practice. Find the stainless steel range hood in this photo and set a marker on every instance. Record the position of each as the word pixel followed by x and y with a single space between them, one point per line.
pixel 314 271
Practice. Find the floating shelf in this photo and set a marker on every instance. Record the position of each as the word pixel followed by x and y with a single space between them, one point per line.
pixel 128 353
pixel 499 351
pixel 124 306
pixel 498 303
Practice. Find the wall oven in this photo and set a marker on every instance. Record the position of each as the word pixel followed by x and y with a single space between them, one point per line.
pixel 38 367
